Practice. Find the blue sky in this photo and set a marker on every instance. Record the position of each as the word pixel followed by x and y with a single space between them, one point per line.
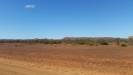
pixel 60 18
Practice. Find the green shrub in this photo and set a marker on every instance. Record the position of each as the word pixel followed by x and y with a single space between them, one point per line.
pixel 124 45
pixel 104 43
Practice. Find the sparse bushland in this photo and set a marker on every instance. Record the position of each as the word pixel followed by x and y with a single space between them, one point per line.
pixel 92 41
pixel 80 58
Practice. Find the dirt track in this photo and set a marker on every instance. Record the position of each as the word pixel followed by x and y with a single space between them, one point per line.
pixel 13 67
pixel 8 67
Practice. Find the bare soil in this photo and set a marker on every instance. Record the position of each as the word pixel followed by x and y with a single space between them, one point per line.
pixel 63 59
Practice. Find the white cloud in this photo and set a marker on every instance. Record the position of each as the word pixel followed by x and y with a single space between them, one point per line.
pixel 30 6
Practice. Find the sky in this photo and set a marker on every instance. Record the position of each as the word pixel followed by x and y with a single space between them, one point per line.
pixel 24 19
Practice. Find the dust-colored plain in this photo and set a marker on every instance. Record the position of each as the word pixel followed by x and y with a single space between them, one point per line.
pixel 64 59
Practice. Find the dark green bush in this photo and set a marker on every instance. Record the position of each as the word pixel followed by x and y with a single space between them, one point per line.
pixel 104 43
pixel 124 45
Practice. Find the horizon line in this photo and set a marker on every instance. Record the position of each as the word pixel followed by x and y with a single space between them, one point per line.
pixel 65 37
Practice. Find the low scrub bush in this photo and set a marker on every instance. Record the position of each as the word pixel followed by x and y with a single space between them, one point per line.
pixel 104 43
pixel 124 45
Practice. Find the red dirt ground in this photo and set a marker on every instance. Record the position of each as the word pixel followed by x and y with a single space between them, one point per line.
pixel 107 60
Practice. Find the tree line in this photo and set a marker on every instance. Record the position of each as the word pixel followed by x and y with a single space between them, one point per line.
pixel 76 40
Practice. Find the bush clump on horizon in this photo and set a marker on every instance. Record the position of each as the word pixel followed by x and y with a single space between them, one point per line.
pixel 75 40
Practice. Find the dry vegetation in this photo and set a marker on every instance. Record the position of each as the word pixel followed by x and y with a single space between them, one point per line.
pixel 66 59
